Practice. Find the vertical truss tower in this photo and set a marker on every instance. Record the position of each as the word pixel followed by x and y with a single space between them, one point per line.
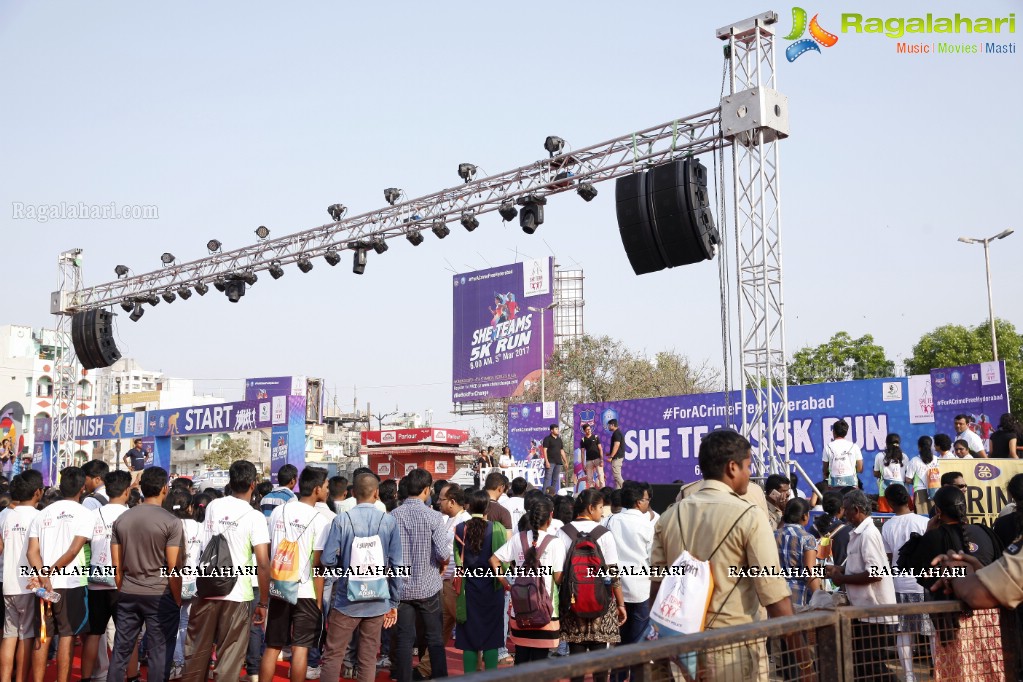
pixel 754 117
pixel 66 370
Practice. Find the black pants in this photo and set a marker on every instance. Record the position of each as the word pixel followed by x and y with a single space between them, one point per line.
pixel 526 654
pixel 161 615
pixel 871 643
pixel 584 647
pixel 430 609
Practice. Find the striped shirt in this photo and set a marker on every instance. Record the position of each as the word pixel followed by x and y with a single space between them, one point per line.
pixel 793 540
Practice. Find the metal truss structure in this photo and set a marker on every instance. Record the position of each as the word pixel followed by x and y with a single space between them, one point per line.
pixel 749 120
pixel 66 370
pixel 754 119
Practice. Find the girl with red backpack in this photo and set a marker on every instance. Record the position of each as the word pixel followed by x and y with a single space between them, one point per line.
pixel 592 603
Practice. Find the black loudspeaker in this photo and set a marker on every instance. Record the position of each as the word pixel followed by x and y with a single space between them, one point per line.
pixel 663 496
pixel 664 216
pixel 92 335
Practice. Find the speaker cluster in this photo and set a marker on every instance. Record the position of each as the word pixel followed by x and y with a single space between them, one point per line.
pixel 92 335
pixel 664 216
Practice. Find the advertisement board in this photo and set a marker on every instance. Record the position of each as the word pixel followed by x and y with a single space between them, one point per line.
pixel 413 436
pixel 496 341
pixel 978 391
pixel 662 435
pixel 528 425
pixel 985 480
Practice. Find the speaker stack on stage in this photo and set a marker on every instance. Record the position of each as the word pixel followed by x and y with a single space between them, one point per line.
pixel 664 216
pixel 92 334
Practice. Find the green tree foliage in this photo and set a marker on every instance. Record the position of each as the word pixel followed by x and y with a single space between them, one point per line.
pixel 953 345
pixel 227 451
pixel 842 358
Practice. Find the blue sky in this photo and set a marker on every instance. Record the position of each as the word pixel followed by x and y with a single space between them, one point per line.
pixel 230 115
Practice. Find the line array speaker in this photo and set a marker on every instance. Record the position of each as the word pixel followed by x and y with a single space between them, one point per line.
pixel 92 335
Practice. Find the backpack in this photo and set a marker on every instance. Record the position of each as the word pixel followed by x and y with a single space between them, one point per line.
pixel 584 591
pixel 284 566
pixel 215 558
pixel 367 581
pixel 99 498
pixel 534 607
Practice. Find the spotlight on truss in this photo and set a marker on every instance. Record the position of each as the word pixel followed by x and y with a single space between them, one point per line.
pixel 414 236
pixel 220 285
pixel 169 296
pixel 276 271
pixel 201 288
pixel 392 195
pixel 121 271
pixel 249 277
pixel 554 145
pixel 587 191
pixel 379 244
pixel 441 229
pixel 127 305
pixel 214 246
pixel 167 258
pixel 531 216
pixel 304 264
pixel 337 211
pixel 184 293
pixel 359 262
pixel 331 257
pixel 467 171
pixel 235 290
pixel 262 232
pixel 137 314
pixel 469 221
pixel 153 299
pixel 507 210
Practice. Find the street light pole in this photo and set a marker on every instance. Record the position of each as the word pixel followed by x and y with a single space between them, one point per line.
pixel 987 265
pixel 543 350
pixel 118 447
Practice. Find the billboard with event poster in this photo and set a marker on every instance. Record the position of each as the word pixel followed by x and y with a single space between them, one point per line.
pixel 528 425
pixel 978 391
pixel 662 435
pixel 496 341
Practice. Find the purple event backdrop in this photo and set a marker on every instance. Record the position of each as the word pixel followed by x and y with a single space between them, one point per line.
pixel 527 426
pixel 493 303
pixel 979 391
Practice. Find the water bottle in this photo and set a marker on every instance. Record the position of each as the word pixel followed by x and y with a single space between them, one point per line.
pixel 42 593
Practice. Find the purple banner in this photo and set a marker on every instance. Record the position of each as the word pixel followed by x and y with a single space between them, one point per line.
pixel 662 435
pixel 43 460
pixel 496 344
pixel 267 387
pixel 528 424
pixel 978 391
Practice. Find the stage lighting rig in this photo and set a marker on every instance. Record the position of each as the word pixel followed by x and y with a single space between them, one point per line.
pixel 467 172
pixel 184 293
pixel 214 246
pixel 554 145
pixel 201 288
pixel 262 232
pixel 414 236
pixel 337 211
pixel 379 245
pixel 169 296
pixel 137 314
pixel 392 195
pixel 531 216
pixel 167 258
pixel 507 210
pixel 220 286
pixel 153 299
pixel 587 191
pixel 275 270
pixel 304 264
pixel 235 290
pixel 121 271
pixel 441 229
pixel 359 262
pixel 331 257
pixel 127 305
pixel 469 221
pixel 249 277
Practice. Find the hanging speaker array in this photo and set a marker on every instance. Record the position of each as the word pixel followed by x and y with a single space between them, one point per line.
pixel 664 216
pixel 92 335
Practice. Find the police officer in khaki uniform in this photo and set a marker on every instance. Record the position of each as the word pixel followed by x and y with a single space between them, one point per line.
pixel 717 517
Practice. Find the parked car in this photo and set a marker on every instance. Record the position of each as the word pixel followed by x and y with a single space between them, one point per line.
pixel 218 478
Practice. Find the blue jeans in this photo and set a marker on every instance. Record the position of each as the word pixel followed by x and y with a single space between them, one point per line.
pixel 254 653
pixel 430 609
pixel 552 476
pixel 179 649
pixel 636 625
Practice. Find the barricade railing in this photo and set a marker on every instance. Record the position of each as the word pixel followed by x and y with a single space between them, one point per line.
pixel 913 642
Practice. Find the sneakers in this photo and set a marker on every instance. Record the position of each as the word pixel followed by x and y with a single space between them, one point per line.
pixel 312 673
pixel 384 662
pixel 349 672
pixel 176 671
pixel 252 678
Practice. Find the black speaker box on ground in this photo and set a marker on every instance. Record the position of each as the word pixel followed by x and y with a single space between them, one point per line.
pixel 92 335
pixel 663 496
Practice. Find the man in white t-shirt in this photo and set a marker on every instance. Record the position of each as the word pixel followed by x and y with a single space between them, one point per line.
pixel 224 621
pixel 56 545
pixel 843 459
pixel 895 532
pixel 963 432
pixel 298 625
pixel 634 536
pixel 21 608
pixel 515 503
pixel 349 503
pixel 102 594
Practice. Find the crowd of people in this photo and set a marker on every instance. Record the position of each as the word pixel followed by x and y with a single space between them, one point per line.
pixel 346 578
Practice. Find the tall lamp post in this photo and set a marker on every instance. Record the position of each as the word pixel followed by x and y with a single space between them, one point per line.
pixel 543 350
pixel 117 448
pixel 987 264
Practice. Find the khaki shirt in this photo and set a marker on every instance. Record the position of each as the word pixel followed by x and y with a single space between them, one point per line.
pixel 700 522
pixel 754 495
pixel 1004 579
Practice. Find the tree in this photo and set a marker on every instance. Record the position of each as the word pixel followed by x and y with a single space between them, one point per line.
pixel 843 358
pixel 227 451
pixel 953 345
